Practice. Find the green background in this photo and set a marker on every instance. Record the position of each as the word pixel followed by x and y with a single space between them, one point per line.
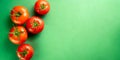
pixel 74 30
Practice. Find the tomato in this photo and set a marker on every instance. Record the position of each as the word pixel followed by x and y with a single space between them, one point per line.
pixel 42 7
pixel 25 52
pixel 35 25
pixel 19 15
pixel 18 35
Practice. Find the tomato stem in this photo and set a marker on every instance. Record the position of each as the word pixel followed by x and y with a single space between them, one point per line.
pixel 18 14
pixel 16 33
pixel 23 54
pixel 42 6
pixel 35 24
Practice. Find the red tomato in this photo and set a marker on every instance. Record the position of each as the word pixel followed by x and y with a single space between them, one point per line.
pixel 18 35
pixel 42 7
pixel 35 25
pixel 25 52
pixel 19 15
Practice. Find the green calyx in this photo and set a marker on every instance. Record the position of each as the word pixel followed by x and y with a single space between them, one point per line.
pixel 17 33
pixel 18 14
pixel 35 23
pixel 23 54
pixel 42 6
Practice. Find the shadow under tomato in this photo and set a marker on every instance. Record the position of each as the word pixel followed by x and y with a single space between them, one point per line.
pixel 32 37
pixel 9 23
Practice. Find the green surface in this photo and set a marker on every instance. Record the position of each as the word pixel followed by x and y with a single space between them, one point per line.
pixel 74 30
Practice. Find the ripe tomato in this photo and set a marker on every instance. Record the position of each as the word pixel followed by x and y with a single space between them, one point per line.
pixel 19 15
pixel 18 35
pixel 35 25
pixel 42 7
pixel 25 52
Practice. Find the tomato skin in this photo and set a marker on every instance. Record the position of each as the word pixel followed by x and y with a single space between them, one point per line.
pixel 19 15
pixel 42 7
pixel 35 25
pixel 27 51
pixel 18 35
